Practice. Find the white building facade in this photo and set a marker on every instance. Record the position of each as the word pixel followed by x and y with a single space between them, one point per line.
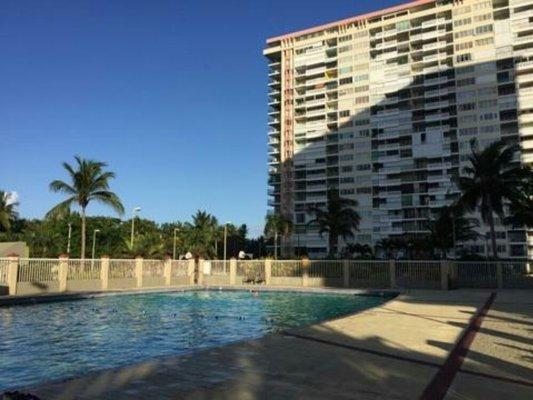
pixel 382 107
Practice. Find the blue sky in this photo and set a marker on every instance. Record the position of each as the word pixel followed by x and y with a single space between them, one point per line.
pixel 171 93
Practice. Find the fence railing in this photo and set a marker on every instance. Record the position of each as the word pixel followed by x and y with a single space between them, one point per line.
pixel 83 270
pixel 4 262
pixel 38 270
pixel 28 276
pixel 121 269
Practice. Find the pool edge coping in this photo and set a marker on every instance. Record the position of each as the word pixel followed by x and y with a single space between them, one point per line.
pixel 8 301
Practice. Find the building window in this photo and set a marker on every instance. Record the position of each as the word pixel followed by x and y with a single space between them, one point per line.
pixel 345 81
pixel 464 57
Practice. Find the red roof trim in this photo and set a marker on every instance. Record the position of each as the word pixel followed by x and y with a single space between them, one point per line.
pixel 318 28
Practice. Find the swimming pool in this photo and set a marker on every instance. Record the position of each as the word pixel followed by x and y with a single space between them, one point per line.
pixel 63 339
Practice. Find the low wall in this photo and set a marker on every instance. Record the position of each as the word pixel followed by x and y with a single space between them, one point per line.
pixel 216 280
pixel 26 288
pixel 122 283
pixel 92 285
pixel 153 281
pixel 286 281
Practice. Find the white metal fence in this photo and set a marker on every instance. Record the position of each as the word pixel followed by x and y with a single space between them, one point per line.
pixel 218 267
pixel 121 269
pixel 38 269
pixel 3 270
pixel 45 273
pixel 418 274
pixel 369 273
pixel 81 270
pixel 153 268
pixel 251 269
pixel 287 268
pixel 179 268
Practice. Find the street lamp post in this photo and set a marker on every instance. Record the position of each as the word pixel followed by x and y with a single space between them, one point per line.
pixel 134 212
pixel 94 243
pixel 276 244
pixel 174 246
pixel 69 236
pixel 225 243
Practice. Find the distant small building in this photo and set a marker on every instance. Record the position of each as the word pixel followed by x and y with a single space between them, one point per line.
pixel 20 249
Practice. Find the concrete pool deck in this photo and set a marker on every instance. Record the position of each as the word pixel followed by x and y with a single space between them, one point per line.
pixel 462 344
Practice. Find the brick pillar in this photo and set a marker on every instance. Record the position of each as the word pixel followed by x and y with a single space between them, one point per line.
pixel 346 273
pixel 200 271
pixel 305 272
pixel 232 271
pixel 191 266
pixel 139 271
pixel 12 274
pixel 63 272
pixel 104 272
pixel 268 271
pixel 392 274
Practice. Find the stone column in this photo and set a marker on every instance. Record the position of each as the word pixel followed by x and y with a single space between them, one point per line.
pixel 268 271
pixel 167 270
pixel 200 271
pixel 346 273
pixel 191 266
pixel 392 274
pixel 305 271
pixel 12 274
pixel 232 270
pixel 63 272
pixel 104 272
pixel 139 271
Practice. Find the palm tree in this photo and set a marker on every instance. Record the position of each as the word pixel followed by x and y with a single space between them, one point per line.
pixel 521 207
pixel 8 210
pixel 276 224
pixel 391 246
pixel 200 234
pixel 489 181
pixel 339 219
pixel 363 250
pixel 450 227
pixel 89 182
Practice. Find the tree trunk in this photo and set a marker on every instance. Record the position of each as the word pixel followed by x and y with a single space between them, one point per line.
pixel 333 238
pixel 492 233
pixel 83 238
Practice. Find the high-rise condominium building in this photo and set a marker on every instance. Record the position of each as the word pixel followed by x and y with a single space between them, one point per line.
pixel 381 108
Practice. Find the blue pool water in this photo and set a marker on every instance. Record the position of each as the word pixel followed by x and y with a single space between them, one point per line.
pixel 64 339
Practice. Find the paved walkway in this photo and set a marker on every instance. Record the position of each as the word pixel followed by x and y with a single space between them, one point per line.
pixel 403 349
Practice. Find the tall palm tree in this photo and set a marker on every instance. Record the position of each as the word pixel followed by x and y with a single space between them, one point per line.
pixel 278 224
pixel 8 210
pixel 491 179
pixel 521 207
pixel 200 234
pixel 339 219
pixel 89 182
pixel 450 227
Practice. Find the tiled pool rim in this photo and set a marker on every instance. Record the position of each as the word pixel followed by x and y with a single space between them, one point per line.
pixel 8 301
